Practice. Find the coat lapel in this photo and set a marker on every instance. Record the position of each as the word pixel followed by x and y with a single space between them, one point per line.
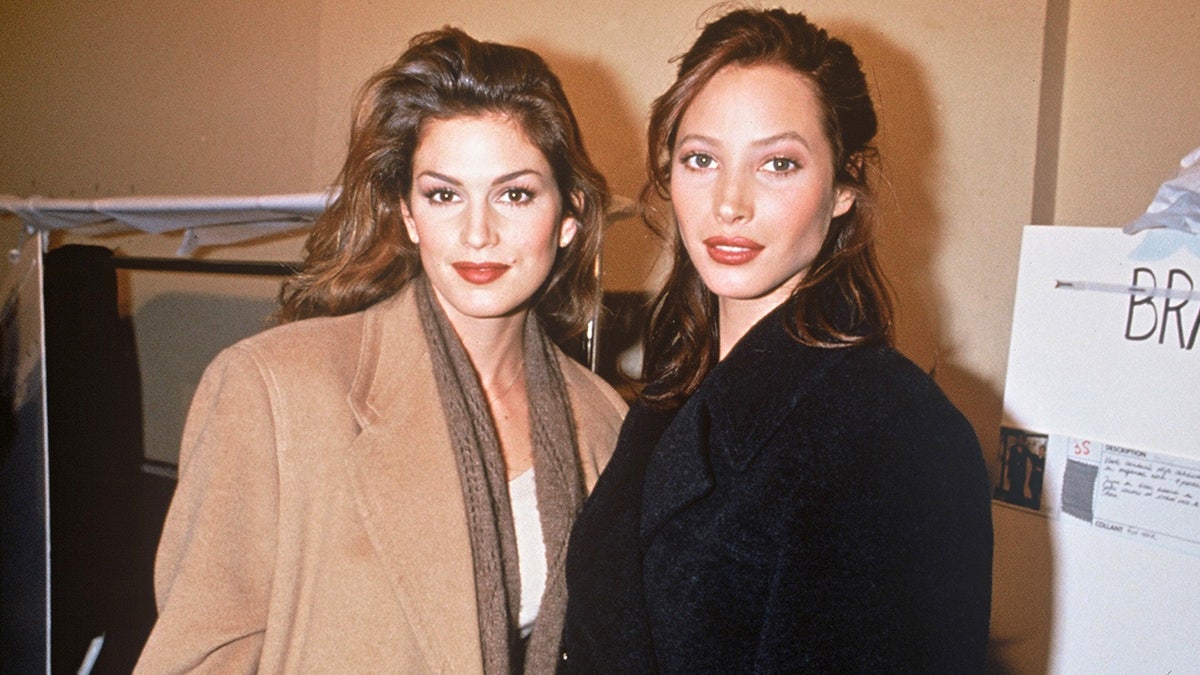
pixel 679 471
pixel 737 409
pixel 407 487
pixel 759 384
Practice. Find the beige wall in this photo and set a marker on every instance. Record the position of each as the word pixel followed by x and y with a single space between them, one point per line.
pixel 1131 106
pixel 994 114
pixel 134 98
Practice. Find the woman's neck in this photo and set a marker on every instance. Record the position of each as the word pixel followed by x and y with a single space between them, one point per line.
pixel 496 347
pixel 735 318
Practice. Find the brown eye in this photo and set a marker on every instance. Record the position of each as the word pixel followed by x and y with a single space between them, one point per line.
pixel 440 196
pixel 516 195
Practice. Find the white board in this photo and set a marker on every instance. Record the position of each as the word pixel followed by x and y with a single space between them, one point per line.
pixel 1103 398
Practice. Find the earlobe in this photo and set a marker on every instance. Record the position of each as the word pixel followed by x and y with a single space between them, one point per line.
pixel 410 225
pixel 566 233
pixel 570 224
pixel 842 201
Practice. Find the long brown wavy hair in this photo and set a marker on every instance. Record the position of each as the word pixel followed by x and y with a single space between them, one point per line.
pixel 358 252
pixel 844 300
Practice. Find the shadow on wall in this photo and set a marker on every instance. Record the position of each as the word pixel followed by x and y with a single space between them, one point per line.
pixel 615 137
pixel 910 224
pixel 612 132
pixel 911 229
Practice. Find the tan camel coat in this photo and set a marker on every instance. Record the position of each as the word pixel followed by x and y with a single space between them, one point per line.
pixel 319 525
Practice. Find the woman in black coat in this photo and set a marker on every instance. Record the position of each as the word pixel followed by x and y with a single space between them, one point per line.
pixel 789 493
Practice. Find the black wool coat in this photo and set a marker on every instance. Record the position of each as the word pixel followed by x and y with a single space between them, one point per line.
pixel 807 510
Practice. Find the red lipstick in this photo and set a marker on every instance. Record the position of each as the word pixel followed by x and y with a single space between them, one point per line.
pixel 732 250
pixel 480 273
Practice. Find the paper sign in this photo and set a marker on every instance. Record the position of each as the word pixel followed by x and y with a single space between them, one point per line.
pixel 1102 399
pixel 1133 493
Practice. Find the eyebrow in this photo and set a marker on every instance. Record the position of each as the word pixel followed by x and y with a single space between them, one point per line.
pixel 502 179
pixel 769 140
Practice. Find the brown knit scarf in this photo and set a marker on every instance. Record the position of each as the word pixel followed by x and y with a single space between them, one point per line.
pixel 481 469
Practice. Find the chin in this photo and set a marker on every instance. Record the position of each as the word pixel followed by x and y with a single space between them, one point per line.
pixel 733 288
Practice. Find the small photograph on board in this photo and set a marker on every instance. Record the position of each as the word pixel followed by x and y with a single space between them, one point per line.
pixel 1022 468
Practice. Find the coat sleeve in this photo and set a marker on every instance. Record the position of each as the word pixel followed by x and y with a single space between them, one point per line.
pixel 888 567
pixel 213 570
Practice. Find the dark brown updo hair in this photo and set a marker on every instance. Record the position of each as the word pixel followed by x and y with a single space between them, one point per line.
pixel 844 299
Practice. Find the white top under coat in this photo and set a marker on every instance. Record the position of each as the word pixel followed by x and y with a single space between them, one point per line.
pixel 531 549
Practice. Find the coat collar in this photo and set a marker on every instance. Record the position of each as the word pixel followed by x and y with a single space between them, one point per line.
pixel 407 488
pixel 738 408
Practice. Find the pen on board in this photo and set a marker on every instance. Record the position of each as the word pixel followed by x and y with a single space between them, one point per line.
pixel 1129 289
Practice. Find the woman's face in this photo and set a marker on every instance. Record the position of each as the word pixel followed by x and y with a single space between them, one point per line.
pixel 486 215
pixel 752 183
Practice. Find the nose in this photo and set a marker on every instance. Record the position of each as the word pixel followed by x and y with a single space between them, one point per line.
pixel 734 203
pixel 479 231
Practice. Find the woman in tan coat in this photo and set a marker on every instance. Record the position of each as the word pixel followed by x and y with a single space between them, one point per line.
pixel 386 482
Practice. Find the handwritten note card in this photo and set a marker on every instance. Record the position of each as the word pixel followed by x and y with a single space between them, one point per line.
pixel 1133 492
